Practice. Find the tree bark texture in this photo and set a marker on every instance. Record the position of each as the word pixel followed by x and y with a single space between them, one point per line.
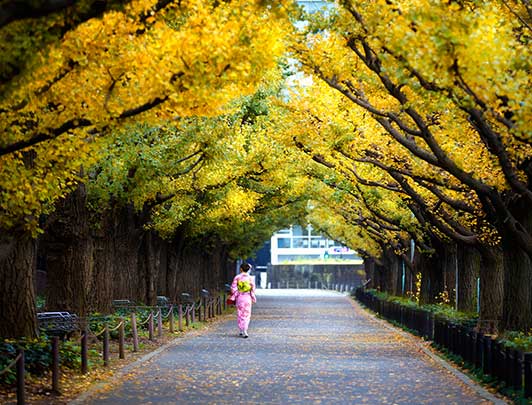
pixel 517 307
pixel 369 268
pixel 468 271
pixel 70 256
pixel 18 252
pixel 127 243
pixel 491 285
pixel 449 260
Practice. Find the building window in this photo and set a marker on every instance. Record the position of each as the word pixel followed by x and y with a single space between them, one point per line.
pixel 283 243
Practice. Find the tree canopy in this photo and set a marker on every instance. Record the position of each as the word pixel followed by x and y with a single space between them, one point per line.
pixel 71 78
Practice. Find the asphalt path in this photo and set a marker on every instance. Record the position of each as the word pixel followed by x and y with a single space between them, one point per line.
pixel 305 347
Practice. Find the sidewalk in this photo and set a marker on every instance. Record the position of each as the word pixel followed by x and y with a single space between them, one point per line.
pixel 305 347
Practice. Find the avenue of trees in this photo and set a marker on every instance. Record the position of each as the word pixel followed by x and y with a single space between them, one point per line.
pixel 146 144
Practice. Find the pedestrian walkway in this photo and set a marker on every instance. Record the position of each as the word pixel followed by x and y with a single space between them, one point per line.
pixel 305 347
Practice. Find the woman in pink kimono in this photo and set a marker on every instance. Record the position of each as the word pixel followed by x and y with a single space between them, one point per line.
pixel 243 292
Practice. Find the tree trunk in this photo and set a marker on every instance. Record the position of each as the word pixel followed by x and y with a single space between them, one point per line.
pixel 70 256
pixel 18 252
pixel 424 265
pixel 149 266
pixel 127 244
pixel 517 308
pixel 379 277
pixel 449 273
pixel 468 271
pixel 491 285
pixel 369 268
pixel 174 252
pixel 101 291
pixel 391 272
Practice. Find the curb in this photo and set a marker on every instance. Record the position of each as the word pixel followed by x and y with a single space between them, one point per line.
pixel 464 378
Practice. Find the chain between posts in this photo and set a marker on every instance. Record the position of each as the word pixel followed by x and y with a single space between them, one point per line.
pixel 10 365
pixel 211 307
pixel 117 326
pixel 147 319
pixel 19 362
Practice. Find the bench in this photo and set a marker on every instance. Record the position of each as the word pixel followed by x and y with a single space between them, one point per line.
pixel 163 301
pixel 122 303
pixel 61 324
pixel 186 298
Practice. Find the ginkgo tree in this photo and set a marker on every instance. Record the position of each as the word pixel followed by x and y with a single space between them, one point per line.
pixel 72 77
pixel 159 60
pixel 225 181
pixel 417 70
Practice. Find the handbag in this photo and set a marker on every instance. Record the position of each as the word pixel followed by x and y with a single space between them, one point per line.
pixel 230 301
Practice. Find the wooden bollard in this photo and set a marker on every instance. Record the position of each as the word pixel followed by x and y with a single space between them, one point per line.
pixel 180 317
pixel 150 326
pixel 202 310
pixel 121 339
pixel 55 364
pixel 106 346
pixel 160 324
pixel 193 312
pixel 21 395
pixel 134 332
pixel 187 316
pixel 84 352
pixel 171 319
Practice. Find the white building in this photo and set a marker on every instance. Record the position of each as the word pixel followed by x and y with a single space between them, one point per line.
pixel 300 245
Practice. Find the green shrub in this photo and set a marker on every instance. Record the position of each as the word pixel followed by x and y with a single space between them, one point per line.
pixel 37 357
pixel 517 340
pixel 440 310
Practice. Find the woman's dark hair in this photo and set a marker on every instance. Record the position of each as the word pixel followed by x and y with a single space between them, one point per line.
pixel 245 267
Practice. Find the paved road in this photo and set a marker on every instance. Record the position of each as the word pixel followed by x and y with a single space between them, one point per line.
pixel 305 347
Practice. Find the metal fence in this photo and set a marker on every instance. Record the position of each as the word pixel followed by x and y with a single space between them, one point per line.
pixel 510 366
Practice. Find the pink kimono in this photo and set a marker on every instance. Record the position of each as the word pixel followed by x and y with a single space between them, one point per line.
pixel 244 299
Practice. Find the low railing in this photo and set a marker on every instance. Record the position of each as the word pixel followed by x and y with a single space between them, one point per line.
pixel 203 309
pixel 510 366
